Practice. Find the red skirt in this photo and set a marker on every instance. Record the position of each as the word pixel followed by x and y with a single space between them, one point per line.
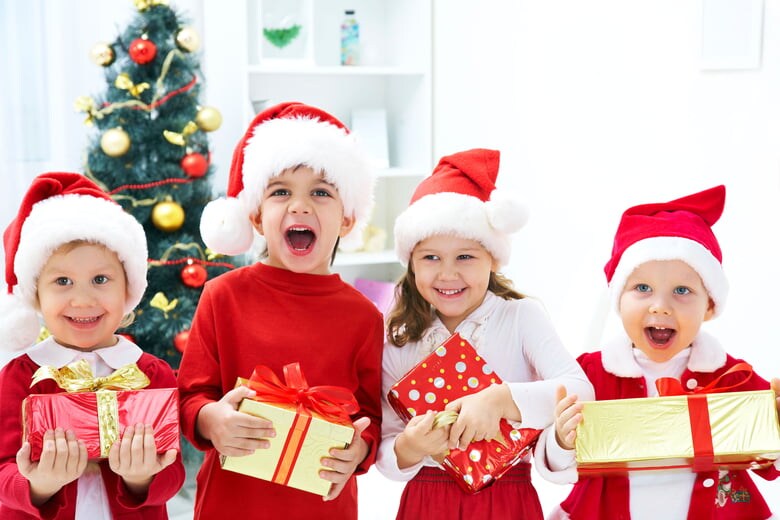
pixel 434 494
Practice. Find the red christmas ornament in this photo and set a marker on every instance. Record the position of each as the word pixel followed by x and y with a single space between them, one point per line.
pixel 194 165
pixel 180 340
pixel 194 275
pixel 142 51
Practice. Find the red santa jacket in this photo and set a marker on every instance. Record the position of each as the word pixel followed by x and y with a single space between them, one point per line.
pixel 715 495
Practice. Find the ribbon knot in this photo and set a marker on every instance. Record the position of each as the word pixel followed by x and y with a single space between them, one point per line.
pixel 78 377
pixel 668 386
pixel 335 403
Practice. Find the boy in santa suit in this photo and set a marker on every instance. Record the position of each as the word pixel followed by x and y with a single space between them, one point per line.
pixel 665 278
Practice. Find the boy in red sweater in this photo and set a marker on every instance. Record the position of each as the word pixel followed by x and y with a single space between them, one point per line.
pixel 298 180
pixel 665 279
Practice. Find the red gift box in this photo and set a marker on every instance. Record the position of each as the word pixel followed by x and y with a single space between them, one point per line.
pixel 100 417
pixel 451 371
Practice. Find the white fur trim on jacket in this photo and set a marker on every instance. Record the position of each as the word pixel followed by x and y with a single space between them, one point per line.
pixel 449 213
pixel 707 355
pixel 284 143
pixel 672 248
pixel 64 218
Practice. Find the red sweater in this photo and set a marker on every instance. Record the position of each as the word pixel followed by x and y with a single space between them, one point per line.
pixel 265 315
pixel 15 502
pixel 608 497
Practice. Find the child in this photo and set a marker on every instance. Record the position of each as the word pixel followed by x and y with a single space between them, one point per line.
pixel 454 237
pixel 299 179
pixel 665 279
pixel 74 256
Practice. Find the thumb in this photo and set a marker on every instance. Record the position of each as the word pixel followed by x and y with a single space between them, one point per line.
pixel 235 396
pixel 167 458
pixel 360 425
pixel 560 393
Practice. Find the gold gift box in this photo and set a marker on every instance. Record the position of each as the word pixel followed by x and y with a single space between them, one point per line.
pixel 301 470
pixel 655 433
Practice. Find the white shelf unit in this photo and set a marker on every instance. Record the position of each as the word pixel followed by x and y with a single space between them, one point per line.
pixel 394 75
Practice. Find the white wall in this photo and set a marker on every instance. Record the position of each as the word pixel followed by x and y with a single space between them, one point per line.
pixel 600 105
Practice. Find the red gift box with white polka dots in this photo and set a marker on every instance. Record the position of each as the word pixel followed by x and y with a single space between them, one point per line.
pixel 455 369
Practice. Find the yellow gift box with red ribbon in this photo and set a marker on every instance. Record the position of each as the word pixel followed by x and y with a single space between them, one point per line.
pixel 703 429
pixel 309 421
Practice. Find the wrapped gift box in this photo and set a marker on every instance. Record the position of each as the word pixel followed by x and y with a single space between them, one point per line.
pixel 451 371
pixel 98 418
pixel 303 435
pixel 733 430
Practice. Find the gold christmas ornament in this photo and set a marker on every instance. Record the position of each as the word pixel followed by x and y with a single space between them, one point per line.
pixel 167 216
pixel 188 39
pixel 115 142
pixel 102 54
pixel 208 119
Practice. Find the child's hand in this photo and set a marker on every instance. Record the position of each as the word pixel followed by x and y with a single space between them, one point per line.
pixel 776 387
pixel 63 460
pixel 135 458
pixel 568 414
pixel 233 433
pixel 478 415
pixel 342 463
pixel 419 439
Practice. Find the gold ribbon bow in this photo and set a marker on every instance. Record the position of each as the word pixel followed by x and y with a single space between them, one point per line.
pixel 78 377
pixel 87 105
pixel 124 82
pixel 160 301
pixel 181 138
pixel 143 5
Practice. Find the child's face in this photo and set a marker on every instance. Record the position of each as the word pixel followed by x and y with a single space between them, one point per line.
pixel 452 274
pixel 301 216
pixel 662 306
pixel 82 292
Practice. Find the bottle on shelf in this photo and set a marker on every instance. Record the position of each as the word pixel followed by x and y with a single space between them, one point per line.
pixel 350 39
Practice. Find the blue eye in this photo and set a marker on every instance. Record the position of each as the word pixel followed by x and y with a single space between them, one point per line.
pixel 62 280
pixel 430 257
pixel 100 279
pixel 321 193
pixel 465 257
pixel 281 192
pixel 643 287
pixel 681 290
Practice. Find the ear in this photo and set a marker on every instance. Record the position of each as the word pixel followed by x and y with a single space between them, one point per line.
pixel 347 223
pixel 494 264
pixel 257 221
pixel 710 311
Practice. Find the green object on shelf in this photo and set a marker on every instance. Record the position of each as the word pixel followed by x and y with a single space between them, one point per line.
pixel 281 38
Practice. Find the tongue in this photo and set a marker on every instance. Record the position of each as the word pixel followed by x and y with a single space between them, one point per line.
pixel 661 335
pixel 300 240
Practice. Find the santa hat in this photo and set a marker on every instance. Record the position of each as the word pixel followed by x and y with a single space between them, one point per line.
pixel 680 229
pixel 460 198
pixel 59 208
pixel 281 137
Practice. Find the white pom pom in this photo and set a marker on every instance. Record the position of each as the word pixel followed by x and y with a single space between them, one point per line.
pixel 225 227
pixel 19 324
pixel 505 213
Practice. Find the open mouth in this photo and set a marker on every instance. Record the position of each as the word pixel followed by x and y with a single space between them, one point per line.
pixel 449 292
pixel 300 239
pixel 660 336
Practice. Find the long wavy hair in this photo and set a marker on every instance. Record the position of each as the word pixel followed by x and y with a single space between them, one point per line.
pixel 411 314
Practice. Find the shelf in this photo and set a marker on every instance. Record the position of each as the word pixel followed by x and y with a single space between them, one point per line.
pixel 314 70
pixel 387 256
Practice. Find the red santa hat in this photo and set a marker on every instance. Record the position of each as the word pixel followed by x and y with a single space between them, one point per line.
pixel 281 137
pixel 460 198
pixel 680 229
pixel 57 209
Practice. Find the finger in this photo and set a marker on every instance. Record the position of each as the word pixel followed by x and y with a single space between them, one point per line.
pixel 61 451
pixel 23 459
pixel 426 423
pixel 166 459
pixel 250 421
pixel 456 430
pixel 137 445
pixel 72 463
pixel 113 455
pixel 360 426
pixel 254 433
pixel 235 396
pixel 83 457
pixel 150 448
pixel 776 385
pixel 335 491
pixel 467 437
pixel 560 393
pixel 126 446
pixel 48 451
pixel 454 405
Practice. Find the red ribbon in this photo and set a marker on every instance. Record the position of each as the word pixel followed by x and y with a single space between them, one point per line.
pixel 698 410
pixel 334 403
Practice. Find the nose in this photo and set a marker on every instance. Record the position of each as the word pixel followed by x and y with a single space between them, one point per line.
pixel 82 297
pixel 448 271
pixel 659 306
pixel 299 205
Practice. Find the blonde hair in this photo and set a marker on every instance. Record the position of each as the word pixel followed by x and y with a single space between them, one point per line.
pixel 411 314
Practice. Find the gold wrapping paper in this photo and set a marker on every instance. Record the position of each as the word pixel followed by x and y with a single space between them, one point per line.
pixel 320 437
pixel 655 433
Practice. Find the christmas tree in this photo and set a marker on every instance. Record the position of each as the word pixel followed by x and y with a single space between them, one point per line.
pixel 151 153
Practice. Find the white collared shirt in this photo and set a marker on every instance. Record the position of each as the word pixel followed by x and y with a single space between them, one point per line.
pixel 91 498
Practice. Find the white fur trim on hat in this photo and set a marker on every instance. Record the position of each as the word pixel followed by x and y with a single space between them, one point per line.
pixel 672 248
pixel 278 144
pixel 65 218
pixel 19 322
pixel 450 213
pixel 225 226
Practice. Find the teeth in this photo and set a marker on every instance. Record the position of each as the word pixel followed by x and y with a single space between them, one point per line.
pixel 298 229
pixel 84 320
pixel 449 292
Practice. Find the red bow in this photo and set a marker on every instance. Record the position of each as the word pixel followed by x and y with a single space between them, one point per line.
pixel 331 402
pixel 670 386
